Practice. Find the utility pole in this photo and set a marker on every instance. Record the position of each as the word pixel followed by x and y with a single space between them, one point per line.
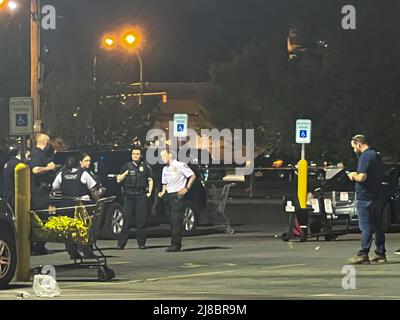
pixel 35 66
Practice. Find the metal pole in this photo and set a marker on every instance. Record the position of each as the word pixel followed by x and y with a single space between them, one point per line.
pixel 94 73
pixel 23 148
pixel 35 55
pixel 303 151
pixel 22 213
pixel 141 77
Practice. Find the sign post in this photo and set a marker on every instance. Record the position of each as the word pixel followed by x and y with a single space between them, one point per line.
pixel 303 136
pixel 21 119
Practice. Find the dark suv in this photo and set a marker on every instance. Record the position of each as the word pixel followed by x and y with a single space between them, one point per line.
pixel 8 250
pixel 106 164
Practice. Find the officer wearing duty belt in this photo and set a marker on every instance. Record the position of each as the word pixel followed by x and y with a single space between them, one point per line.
pixel 137 188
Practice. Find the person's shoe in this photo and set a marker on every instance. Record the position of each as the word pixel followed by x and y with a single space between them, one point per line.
pixel 379 258
pixel 142 247
pixel 121 244
pixel 172 249
pixel 359 260
pixel 397 251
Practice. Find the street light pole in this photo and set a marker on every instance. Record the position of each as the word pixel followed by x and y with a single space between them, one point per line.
pixel 35 54
pixel 141 77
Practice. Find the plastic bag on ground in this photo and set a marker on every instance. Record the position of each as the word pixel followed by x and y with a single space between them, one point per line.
pixel 45 286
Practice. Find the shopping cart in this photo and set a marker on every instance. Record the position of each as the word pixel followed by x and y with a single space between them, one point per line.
pixel 216 203
pixel 89 216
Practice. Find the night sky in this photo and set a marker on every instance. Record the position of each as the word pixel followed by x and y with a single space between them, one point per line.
pixel 182 37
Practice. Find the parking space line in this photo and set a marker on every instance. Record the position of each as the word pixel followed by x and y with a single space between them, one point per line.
pixel 285 266
pixel 185 276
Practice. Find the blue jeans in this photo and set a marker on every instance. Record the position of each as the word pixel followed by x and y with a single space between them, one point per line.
pixel 370 221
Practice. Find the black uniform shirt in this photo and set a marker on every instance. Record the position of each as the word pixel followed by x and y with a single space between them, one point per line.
pixel 140 167
pixel 39 158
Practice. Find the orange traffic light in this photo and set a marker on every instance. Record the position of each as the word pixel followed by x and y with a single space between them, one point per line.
pixel 164 98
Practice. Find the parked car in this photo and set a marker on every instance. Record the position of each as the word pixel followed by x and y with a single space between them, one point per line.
pixel 8 250
pixel 106 164
pixel 338 193
pixel 271 166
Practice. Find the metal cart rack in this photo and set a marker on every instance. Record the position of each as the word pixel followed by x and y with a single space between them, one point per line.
pixel 306 223
pixel 216 204
pixel 95 214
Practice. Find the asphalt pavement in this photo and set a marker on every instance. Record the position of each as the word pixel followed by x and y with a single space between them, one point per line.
pixel 251 264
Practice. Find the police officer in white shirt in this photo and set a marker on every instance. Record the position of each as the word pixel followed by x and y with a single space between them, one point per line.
pixel 177 179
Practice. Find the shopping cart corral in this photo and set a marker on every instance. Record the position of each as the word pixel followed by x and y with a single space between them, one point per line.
pixel 216 204
pixel 76 225
pixel 316 220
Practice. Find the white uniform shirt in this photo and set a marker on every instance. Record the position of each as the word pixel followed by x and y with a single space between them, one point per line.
pixel 86 179
pixel 175 176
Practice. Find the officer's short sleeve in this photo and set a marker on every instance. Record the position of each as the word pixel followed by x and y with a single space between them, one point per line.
pixel 185 170
pixel 57 182
pixel 88 180
pixel 364 162
pixel 149 171
pixel 124 168
pixel 38 159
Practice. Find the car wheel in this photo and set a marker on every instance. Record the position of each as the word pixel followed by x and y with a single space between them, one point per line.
pixel 189 219
pixel 8 258
pixel 386 218
pixel 113 222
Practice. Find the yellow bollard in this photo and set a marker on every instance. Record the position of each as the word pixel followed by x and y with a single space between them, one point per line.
pixel 22 213
pixel 302 183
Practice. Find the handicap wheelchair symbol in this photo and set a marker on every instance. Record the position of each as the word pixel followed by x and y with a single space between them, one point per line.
pixel 303 133
pixel 21 120
pixel 180 127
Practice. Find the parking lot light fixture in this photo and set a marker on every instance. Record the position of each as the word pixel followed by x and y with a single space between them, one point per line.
pixel 12 6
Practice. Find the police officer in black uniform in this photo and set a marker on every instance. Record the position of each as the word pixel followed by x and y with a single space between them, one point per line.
pixel 75 183
pixel 137 188
pixel 42 170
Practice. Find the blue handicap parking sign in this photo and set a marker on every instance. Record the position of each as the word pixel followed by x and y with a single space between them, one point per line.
pixel 303 133
pixel 21 119
pixel 180 127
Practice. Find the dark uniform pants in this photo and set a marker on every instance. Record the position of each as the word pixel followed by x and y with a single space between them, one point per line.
pixel 39 201
pixel 174 206
pixel 135 206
